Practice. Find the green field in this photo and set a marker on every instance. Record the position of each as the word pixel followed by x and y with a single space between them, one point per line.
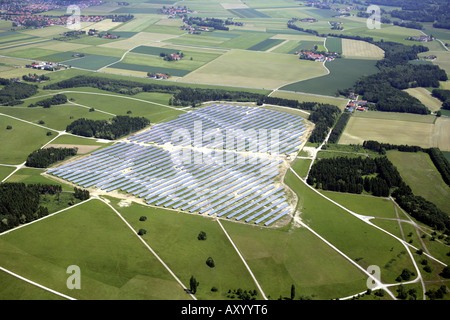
pixel 343 74
pixel 334 45
pixel 21 140
pixel 426 182
pixel 119 266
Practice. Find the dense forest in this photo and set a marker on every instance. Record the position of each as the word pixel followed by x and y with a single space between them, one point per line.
pixel 374 175
pixel 42 158
pixel 19 203
pixel 324 117
pixel 396 74
pixel 13 92
pixel 444 96
pixel 112 129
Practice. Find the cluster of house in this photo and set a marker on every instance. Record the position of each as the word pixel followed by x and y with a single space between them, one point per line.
pixel 194 29
pixel 45 65
pixel 109 36
pixel 38 6
pixel 424 38
pixel 308 20
pixel 173 12
pixel 343 10
pixel 45 21
pixel 158 76
pixel 353 105
pixel 318 57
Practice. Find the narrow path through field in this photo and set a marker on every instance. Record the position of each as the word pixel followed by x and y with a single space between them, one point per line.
pixel 149 248
pixel 243 260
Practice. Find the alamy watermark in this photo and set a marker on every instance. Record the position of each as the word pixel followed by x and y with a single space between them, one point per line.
pixel 74 280
pixel 223 146
pixel 374 21
pixel 73 21
pixel 375 279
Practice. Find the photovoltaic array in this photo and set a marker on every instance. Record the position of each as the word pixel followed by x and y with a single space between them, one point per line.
pixel 220 182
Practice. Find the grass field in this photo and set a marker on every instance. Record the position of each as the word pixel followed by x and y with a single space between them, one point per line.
pixel 343 74
pixel 345 231
pixel 117 267
pixel 426 182
pixel 359 129
pixel 21 140
pixel 255 69
pixel 334 45
pixel 174 237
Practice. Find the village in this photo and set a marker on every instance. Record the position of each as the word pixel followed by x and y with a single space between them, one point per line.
pixel 317 56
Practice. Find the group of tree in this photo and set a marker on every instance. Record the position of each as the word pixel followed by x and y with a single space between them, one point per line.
pixel 444 96
pixel 81 194
pixel 112 129
pixel 43 158
pixel 57 99
pixel 20 203
pixel 243 294
pixel 354 175
pixel 324 117
pixel 339 127
pixel 13 92
pixel 217 24
pixel 35 78
pixel 437 157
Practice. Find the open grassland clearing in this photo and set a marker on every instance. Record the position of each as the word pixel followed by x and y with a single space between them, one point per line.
pixel 360 49
pixel 56 117
pixel 425 97
pixel 174 237
pixel 343 74
pixel 121 105
pixel 19 141
pixel 119 266
pixel 255 69
pixel 426 182
pixel 5 171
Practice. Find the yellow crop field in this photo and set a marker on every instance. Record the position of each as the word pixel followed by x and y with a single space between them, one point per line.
pixel 425 97
pixel 361 49
pixel 421 134
pixel 103 25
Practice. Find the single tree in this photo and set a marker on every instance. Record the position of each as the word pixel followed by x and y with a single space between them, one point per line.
pixel 193 284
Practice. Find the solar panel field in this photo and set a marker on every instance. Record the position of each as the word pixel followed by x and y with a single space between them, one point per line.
pixel 220 195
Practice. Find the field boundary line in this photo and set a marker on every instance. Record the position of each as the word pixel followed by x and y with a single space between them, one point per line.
pixel 148 247
pixel 243 260
pixel 36 284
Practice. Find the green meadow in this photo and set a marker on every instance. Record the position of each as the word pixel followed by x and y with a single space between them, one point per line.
pixel 118 266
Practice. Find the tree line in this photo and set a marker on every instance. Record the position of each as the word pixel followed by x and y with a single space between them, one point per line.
pixel 43 158
pixel 324 117
pixel 112 129
pixel 57 99
pixel 339 127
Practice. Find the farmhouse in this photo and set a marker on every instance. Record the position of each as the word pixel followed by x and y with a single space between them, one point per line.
pixel 420 38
